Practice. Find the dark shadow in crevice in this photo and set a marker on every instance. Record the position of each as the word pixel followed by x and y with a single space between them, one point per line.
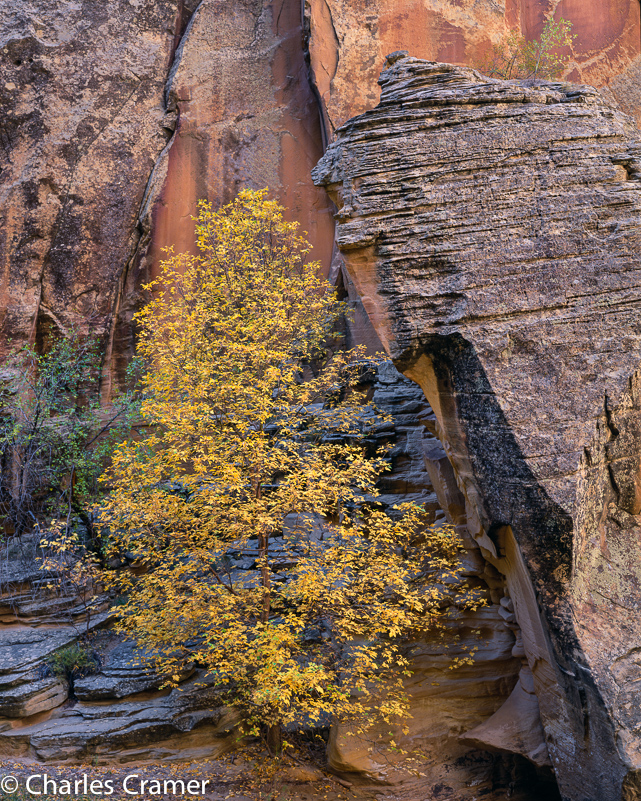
pixel 479 433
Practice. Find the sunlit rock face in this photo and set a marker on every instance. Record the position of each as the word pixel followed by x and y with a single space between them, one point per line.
pixel 246 116
pixel 492 231
pixel 119 116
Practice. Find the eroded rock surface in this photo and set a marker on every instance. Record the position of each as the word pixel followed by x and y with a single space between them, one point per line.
pixel 492 231
pixel 188 723
pixel 117 116
pixel 83 122
pixel 245 116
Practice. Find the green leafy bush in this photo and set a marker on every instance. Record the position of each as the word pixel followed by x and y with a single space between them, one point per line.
pixel 515 57
pixel 73 662
pixel 54 435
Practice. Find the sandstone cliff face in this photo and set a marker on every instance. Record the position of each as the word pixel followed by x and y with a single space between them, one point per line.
pixel 246 116
pixel 118 116
pixel 492 231
pixel 117 119
pixel 83 122
pixel 349 40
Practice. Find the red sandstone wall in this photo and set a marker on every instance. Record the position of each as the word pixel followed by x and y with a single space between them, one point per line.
pixel 88 195
pixel 246 117
pixel 350 38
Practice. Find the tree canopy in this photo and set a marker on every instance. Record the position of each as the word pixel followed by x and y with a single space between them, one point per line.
pixel 250 505
pixel 546 57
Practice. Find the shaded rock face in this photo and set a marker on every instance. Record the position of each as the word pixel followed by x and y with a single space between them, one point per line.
pixel 119 713
pixel 190 722
pixel 81 88
pixel 448 702
pixel 118 116
pixel 492 232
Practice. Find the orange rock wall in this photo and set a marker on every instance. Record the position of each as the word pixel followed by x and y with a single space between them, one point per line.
pixel 82 125
pixel 90 188
pixel 246 117
pixel 349 40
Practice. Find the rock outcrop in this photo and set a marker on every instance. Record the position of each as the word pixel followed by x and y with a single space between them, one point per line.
pixel 118 116
pixel 119 713
pixel 492 231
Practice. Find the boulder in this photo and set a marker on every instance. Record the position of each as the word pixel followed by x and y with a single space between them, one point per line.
pixel 127 670
pixel 493 231
pixel 189 722
pixel 32 697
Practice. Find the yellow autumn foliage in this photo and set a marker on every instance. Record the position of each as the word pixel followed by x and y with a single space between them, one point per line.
pixel 250 506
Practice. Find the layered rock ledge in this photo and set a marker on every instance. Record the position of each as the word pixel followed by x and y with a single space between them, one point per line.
pixel 492 230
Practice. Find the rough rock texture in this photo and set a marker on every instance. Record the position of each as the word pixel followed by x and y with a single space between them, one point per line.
pixel 245 115
pixel 349 39
pixel 91 188
pixel 125 671
pixel 117 714
pixel 118 115
pixel 83 122
pixel 492 232
pixel 42 718
pixel 188 723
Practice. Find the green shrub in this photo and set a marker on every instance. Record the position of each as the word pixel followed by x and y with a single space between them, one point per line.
pixel 73 662
pixel 55 437
pixel 515 57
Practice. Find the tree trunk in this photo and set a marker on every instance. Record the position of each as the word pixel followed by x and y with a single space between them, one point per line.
pixel 263 544
pixel 274 739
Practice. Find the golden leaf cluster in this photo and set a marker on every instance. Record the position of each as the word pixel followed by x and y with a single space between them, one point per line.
pixel 260 551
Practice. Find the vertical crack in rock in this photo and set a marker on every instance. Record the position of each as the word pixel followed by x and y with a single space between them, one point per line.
pixel 81 90
pixel 322 48
pixel 258 132
pixel 115 363
pixel 493 235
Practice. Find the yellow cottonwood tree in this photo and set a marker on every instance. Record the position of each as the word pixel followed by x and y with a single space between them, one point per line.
pixel 250 506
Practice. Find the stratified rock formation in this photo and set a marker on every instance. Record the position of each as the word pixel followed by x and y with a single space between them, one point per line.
pixel 117 714
pixel 492 230
pixel 119 116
